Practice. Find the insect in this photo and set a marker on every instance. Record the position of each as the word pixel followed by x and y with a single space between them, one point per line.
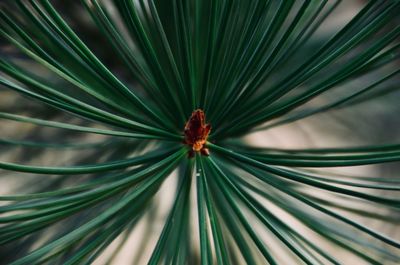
pixel 196 132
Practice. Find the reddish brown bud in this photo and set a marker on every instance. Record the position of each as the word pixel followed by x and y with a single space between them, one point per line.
pixel 196 132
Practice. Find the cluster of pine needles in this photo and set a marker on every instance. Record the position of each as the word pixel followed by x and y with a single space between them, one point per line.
pixel 95 96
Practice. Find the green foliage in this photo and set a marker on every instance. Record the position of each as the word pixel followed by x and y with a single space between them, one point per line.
pixel 109 85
